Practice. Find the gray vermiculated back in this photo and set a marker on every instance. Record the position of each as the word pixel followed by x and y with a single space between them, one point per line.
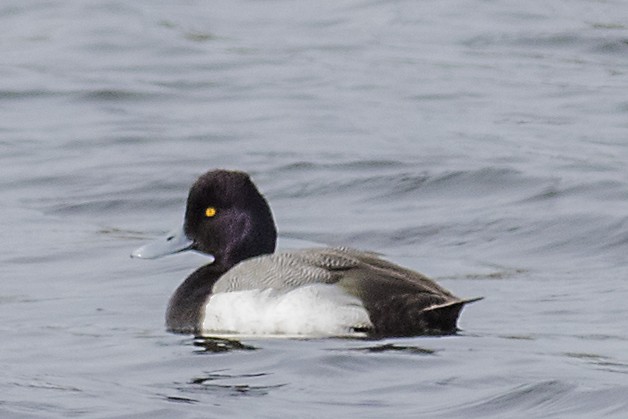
pixel 286 270
pixel 357 271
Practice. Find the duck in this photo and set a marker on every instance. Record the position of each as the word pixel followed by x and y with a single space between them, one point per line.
pixel 249 288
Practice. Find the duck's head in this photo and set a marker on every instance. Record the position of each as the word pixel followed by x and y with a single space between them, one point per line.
pixel 225 217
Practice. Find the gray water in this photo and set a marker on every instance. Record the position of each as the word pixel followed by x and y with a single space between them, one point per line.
pixel 482 143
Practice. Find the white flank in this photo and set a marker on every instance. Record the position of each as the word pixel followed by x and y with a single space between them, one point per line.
pixel 312 310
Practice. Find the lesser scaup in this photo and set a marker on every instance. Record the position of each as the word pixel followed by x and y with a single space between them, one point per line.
pixel 249 289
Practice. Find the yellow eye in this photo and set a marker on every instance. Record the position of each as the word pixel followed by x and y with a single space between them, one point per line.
pixel 210 212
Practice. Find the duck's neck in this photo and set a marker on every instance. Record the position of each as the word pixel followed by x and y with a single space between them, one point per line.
pixel 187 305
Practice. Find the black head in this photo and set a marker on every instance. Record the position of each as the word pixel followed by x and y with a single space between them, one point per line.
pixel 227 217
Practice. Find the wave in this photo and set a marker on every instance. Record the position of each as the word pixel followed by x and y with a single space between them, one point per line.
pixel 552 398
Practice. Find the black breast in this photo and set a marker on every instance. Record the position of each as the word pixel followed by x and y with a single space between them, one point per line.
pixel 187 305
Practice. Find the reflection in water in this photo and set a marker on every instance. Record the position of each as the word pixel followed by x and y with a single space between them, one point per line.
pixel 216 376
pixel 391 347
pixel 219 345
pixel 178 399
pixel 223 384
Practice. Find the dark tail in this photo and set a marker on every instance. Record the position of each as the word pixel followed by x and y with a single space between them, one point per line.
pixel 444 317
pixel 407 315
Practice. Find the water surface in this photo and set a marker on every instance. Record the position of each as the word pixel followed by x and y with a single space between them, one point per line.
pixel 483 144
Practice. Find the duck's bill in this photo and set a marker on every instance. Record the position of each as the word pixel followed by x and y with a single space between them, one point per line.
pixel 174 242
